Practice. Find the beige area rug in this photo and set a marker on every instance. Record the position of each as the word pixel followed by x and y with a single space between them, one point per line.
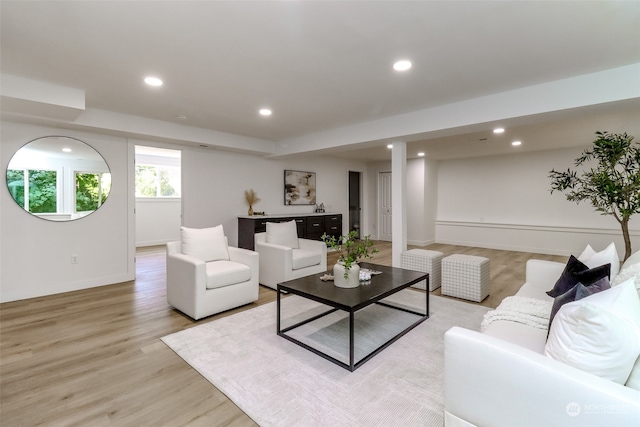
pixel 278 383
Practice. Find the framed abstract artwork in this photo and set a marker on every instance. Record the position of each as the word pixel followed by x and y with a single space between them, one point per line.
pixel 299 188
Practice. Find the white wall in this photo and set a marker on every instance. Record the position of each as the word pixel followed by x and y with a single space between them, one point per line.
pixel 158 221
pixel 430 199
pixel 504 202
pixel 422 187
pixel 213 184
pixel 500 201
pixel 416 234
pixel 36 254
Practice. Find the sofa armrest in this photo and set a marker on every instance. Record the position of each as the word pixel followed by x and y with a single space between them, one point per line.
pixel 489 381
pixel 544 272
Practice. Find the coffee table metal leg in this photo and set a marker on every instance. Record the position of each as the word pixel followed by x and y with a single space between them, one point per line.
pixel 278 312
pixel 351 343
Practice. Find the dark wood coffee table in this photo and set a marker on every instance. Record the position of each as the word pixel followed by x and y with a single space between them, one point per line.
pixel 391 280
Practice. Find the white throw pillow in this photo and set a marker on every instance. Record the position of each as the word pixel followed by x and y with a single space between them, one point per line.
pixel 283 233
pixel 599 334
pixel 206 244
pixel 634 259
pixel 631 272
pixel 634 377
pixel 609 255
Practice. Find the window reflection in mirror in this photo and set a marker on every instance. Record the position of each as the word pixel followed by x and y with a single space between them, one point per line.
pixel 58 178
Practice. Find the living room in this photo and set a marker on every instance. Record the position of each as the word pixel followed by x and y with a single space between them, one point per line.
pixel 468 190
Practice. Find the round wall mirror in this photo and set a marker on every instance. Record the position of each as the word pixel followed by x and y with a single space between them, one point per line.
pixel 58 178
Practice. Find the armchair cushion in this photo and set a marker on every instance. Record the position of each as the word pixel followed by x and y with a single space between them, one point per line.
pixel 206 244
pixel 224 273
pixel 283 234
pixel 302 258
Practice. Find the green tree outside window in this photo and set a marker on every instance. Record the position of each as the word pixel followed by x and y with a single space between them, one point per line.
pixel 92 190
pixel 42 189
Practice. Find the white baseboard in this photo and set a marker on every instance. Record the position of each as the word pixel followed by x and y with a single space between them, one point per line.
pixel 151 243
pixel 531 238
pixel 53 288
pixel 421 242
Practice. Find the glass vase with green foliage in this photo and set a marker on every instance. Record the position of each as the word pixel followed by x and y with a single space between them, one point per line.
pixel 350 248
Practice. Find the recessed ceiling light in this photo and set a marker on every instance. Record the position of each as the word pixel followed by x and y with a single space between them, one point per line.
pixel 153 81
pixel 390 146
pixel 265 112
pixel 66 149
pixel 421 154
pixel 516 143
pixel 498 130
pixel 403 65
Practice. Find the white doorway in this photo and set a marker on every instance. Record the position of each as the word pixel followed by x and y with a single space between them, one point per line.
pixel 385 210
pixel 158 189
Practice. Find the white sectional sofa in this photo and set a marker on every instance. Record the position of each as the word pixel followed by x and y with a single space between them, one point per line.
pixel 502 377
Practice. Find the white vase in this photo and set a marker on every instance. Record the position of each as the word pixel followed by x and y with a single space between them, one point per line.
pixel 353 276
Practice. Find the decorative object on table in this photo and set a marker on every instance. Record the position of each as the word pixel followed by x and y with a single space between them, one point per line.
pixel 251 198
pixel 365 277
pixel 612 185
pixel 351 249
pixel 256 213
pixel 299 188
pixel 326 277
pixel 319 208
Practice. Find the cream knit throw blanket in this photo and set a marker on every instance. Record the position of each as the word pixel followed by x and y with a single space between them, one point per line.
pixel 528 311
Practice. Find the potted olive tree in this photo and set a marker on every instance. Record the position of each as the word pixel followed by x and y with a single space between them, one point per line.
pixel 611 185
pixel 351 249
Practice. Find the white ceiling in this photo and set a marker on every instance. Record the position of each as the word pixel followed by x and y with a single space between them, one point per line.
pixel 322 65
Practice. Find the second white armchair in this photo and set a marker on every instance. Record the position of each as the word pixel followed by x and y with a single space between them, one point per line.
pixel 284 256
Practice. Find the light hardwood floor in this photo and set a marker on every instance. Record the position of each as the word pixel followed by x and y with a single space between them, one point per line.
pixel 94 358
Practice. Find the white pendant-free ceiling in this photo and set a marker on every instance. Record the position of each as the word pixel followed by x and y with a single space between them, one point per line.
pixel 319 65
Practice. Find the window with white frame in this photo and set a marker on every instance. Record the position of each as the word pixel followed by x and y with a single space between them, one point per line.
pixel 157 172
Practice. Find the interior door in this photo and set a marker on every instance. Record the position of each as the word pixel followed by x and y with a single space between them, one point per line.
pixel 354 202
pixel 384 206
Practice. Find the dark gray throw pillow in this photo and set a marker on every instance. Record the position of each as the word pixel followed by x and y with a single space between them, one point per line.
pixel 576 272
pixel 576 293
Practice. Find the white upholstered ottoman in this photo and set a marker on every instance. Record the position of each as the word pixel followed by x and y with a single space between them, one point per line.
pixel 425 261
pixel 466 277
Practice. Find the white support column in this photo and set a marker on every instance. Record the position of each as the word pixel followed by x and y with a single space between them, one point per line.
pixel 398 201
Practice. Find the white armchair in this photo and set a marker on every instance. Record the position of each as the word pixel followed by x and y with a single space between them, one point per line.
pixel 279 263
pixel 201 283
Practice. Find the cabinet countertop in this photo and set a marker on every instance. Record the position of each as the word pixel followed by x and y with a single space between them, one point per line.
pixel 291 215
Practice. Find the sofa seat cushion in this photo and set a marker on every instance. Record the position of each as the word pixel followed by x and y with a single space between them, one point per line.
pixel 518 333
pixel 302 258
pixel 225 273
